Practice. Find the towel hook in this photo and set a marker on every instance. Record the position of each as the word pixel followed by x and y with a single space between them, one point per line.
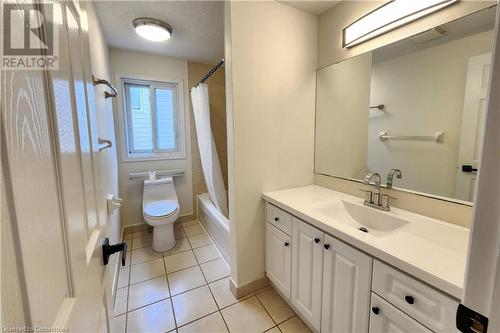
pixel 104 144
pixel 107 94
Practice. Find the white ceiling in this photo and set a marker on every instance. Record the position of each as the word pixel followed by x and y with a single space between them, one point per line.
pixel 313 7
pixel 198 27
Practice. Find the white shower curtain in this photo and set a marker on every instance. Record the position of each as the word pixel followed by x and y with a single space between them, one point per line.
pixel 208 152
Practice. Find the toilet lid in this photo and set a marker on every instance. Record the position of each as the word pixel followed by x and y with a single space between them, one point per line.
pixel 161 208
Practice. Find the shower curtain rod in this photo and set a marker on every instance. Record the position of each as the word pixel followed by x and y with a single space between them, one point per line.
pixel 216 67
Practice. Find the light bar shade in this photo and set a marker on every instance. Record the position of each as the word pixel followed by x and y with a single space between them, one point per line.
pixel 388 17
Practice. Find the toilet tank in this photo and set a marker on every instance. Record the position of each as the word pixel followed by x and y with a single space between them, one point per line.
pixel 159 189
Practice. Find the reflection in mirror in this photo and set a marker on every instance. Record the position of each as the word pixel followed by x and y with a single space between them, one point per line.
pixel 416 105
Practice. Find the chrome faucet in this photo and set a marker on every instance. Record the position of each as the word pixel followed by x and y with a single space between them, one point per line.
pixel 390 177
pixel 374 199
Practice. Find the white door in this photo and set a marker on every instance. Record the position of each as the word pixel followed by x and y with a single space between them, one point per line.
pixel 307 271
pixel 346 288
pixel 51 185
pixel 385 318
pixel 476 86
pixel 279 258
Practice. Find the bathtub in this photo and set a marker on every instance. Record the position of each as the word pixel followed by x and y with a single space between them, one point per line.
pixel 216 224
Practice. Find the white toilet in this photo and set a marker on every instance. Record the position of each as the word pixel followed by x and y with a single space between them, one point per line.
pixel 160 210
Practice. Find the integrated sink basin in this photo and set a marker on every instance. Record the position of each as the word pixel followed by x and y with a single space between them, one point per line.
pixel 361 217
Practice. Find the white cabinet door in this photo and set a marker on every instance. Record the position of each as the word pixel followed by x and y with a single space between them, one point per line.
pixel 278 259
pixel 346 288
pixel 385 318
pixel 307 271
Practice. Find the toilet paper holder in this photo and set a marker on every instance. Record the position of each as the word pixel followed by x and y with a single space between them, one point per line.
pixel 113 203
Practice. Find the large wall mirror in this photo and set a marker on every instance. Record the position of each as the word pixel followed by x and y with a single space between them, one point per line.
pixel 416 105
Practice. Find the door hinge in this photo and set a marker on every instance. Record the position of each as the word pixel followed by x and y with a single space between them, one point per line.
pixel 469 321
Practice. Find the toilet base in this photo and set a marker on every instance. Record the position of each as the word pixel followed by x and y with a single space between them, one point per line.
pixel 163 237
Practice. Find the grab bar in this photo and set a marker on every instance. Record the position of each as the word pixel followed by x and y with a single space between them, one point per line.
pixel 160 173
pixel 437 138
pixel 104 144
pixel 107 94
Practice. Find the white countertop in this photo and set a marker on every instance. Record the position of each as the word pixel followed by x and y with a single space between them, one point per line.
pixel 431 250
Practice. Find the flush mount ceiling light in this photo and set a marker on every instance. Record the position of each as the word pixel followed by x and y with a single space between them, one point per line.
pixel 152 29
pixel 388 17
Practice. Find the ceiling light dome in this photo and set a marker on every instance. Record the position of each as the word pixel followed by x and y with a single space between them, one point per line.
pixel 152 29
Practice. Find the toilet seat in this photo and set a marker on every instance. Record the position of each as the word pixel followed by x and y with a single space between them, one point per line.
pixel 161 209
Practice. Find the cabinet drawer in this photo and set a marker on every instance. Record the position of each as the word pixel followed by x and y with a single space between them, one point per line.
pixel 422 302
pixel 279 218
pixel 385 318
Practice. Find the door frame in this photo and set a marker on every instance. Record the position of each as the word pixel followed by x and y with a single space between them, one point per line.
pixel 482 276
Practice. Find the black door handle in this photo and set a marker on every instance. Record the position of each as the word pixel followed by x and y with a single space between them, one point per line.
pixel 108 250
pixel 468 168
pixel 376 310
pixel 327 246
pixel 286 243
pixel 316 240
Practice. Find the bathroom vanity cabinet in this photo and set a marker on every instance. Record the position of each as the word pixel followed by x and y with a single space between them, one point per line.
pixel 334 287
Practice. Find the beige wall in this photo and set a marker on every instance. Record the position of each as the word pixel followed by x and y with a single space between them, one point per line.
pixel 424 94
pixel 333 21
pixel 154 67
pixel 342 97
pixel 271 62
pixel 217 95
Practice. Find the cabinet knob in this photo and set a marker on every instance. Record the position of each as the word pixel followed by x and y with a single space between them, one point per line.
pixel 409 299
pixel 316 240
pixel 276 219
pixel 327 246
pixel 375 310
pixel 286 243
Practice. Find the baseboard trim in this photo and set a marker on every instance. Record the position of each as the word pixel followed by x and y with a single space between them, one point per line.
pixel 127 229
pixel 187 218
pixel 246 289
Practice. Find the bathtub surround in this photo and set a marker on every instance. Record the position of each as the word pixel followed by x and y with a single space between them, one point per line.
pixel 99 54
pixel 159 68
pixel 270 82
pixel 217 96
pixel 216 225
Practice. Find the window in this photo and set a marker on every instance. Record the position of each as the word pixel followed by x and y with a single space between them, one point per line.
pixel 153 119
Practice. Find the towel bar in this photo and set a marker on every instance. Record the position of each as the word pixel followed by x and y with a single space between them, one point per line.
pixel 159 173
pixel 437 138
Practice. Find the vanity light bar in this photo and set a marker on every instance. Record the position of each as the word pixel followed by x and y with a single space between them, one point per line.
pixel 390 16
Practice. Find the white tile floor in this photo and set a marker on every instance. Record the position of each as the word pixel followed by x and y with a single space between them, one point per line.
pixel 186 290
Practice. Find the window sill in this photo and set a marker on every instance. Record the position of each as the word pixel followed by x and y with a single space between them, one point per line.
pixel 152 157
